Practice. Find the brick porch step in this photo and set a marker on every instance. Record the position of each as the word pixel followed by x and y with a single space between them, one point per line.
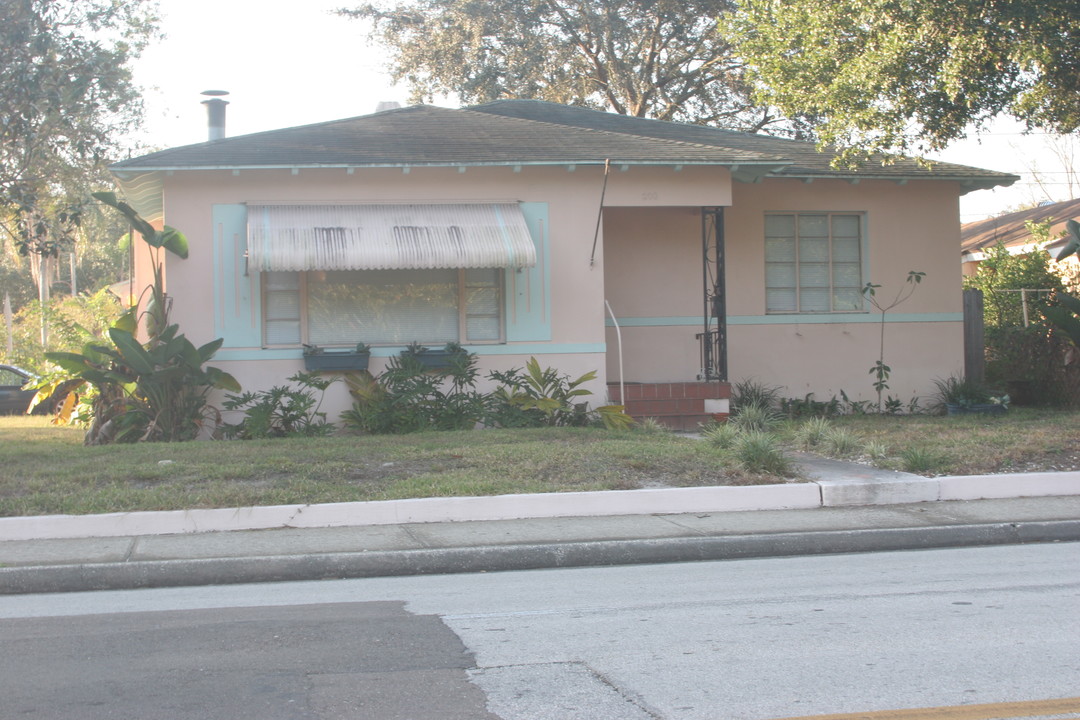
pixel 678 405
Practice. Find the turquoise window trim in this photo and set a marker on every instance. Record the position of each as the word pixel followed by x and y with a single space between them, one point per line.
pixel 254 354
pixel 237 304
pixel 528 290
pixel 791 319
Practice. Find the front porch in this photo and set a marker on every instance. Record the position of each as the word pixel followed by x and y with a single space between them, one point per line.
pixel 680 406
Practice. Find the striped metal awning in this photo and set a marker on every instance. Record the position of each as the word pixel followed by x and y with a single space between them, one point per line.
pixel 388 236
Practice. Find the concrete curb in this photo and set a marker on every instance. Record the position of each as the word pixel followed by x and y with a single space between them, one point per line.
pixel 820 493
pixel 306 567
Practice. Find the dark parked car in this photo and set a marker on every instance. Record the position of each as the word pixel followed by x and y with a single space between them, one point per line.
pixel 13 399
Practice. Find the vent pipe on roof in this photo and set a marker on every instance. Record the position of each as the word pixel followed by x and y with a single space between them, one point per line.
pixel 215 113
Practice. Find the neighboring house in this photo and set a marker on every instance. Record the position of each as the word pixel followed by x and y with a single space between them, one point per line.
pixel 1011 231
pixel 506 226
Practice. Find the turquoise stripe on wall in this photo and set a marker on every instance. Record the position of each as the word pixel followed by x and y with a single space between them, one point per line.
pixel 791 319
pixel 237 309
pixel 248 354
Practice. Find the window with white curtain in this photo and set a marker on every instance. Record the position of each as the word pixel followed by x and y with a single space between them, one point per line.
pixel 813 262
pixel 383 307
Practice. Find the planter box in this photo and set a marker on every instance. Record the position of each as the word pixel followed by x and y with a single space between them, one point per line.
pixel 328 360
pixel 433 359
pixel 983 409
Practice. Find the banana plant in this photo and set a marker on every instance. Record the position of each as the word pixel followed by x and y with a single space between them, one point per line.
pixel 169 238
pixel 156 390
pixel 153 392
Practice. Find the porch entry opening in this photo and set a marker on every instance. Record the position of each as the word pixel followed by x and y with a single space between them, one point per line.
pixel 385 274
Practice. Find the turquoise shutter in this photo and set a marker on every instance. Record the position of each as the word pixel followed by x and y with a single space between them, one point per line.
pixel 528 290
pixel 237 308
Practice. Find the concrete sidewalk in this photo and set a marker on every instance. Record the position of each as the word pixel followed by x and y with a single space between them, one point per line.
pixel 844 508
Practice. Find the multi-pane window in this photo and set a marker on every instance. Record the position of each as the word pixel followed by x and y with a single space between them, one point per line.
pixel 383 307
pixel 813 262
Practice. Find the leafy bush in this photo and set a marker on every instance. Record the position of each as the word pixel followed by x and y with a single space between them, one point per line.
pixel 409 397
pixel 281 411
pixel 1001 274
pixel 962 391
pixel 809 407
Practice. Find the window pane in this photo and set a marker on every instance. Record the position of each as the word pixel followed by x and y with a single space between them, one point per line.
pixel 847 275
pixel 780 299
pixel 383 306
pixel 847 299
pixel 282 281
pixel 282 305
pixel 814 226
pixel 813 250
pixel 846 249
pixel 780 249
pixel 814 300
pixel 480 328
pixel 779 226
pixel 282 332
pixel 780 275
pixel 845 226
pixel 482 276
pixel 814 275
pixel 282 308
pixel 482 301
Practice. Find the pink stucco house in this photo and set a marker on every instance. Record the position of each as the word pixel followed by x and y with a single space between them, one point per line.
pixel 674 258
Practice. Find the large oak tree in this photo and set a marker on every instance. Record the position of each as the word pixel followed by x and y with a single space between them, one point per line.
pixel 663 59
pixel 903 76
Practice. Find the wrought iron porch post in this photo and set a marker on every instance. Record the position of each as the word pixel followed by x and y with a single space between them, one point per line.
pixel 714 336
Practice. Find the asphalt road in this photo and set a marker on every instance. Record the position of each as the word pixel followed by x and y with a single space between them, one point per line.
pixel 982 632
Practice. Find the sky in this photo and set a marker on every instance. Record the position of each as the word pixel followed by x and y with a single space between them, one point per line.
pixel 287 63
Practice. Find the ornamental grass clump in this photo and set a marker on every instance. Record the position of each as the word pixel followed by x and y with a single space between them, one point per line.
pixel 812 433
pixel 760 452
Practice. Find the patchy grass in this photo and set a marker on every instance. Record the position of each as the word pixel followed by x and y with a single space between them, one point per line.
pixel 46 469
pixel 1021 440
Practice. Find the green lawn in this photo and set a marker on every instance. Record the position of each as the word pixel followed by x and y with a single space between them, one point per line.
pixel 46 469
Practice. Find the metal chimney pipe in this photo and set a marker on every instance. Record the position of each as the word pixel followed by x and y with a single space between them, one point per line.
pixel 215 113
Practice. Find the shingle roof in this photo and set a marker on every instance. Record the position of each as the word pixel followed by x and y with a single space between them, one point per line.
pixel 512 132
pixel 1011 229
pixel 806 160
pixel 427 135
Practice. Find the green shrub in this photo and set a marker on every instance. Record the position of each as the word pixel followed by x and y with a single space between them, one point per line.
pixel 281 411
pixel 409 397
